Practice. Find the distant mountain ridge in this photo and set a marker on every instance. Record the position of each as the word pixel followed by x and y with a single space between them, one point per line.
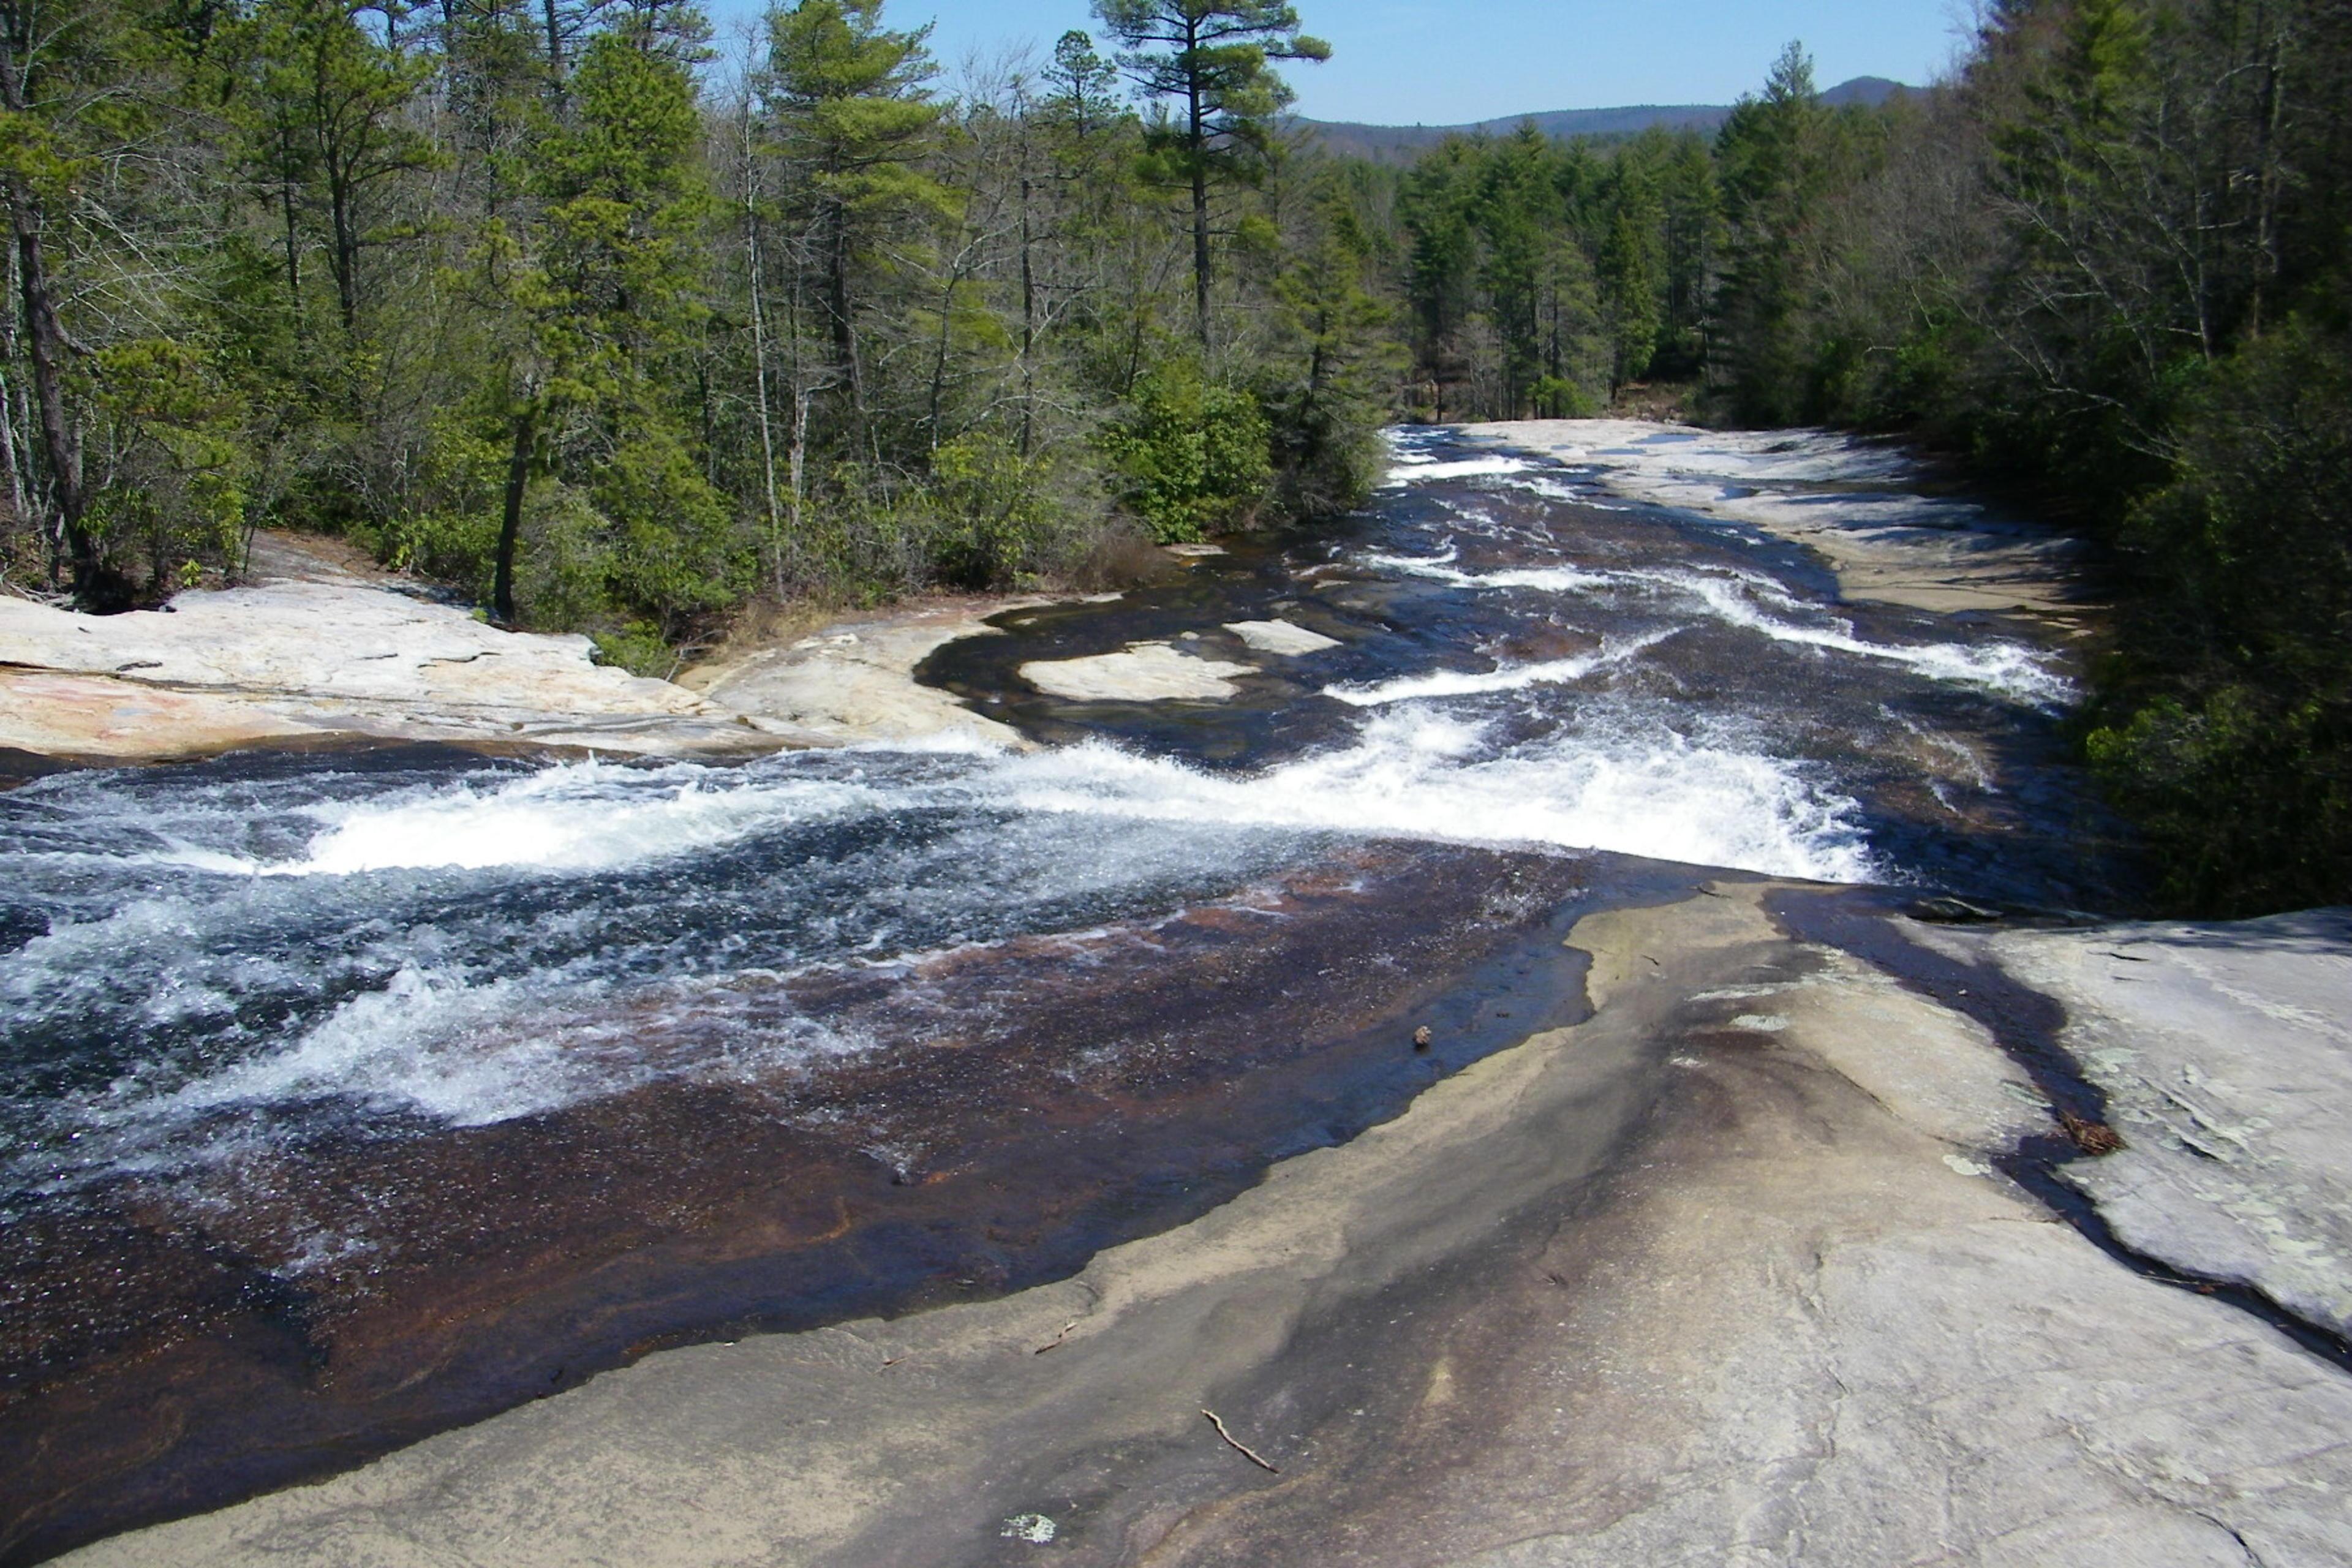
pixel 1391 143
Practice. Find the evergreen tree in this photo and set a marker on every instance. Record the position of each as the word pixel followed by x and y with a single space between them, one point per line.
pixel 1692 215
pixel 1332 389
pixel 853 120
pixel 328 113
pixel 1633 265
pixel 1770 159
pixel 608 299
pixel 1213 59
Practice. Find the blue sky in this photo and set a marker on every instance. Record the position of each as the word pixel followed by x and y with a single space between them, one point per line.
pixel 1441 62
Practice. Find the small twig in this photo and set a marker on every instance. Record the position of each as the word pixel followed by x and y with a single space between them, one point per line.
pixel 1057 1344
pixel 1244 1450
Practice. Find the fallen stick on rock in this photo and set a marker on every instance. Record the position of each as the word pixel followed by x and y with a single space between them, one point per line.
pixel 1244 1450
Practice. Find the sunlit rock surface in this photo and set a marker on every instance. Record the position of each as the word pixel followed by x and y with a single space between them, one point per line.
pixel 97 717
pixel 1858 503
pixel 1281 637
pixel 1142 672
pixel 1722 1276
pixel 293 658
pixel 854 680
pixel 2226 1054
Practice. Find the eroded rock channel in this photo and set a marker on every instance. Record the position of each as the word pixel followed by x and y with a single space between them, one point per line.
pixel 1362 986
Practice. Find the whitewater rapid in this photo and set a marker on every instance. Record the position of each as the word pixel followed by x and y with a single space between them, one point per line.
pixel 196 960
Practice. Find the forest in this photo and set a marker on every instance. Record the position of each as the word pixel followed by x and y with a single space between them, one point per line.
pixel 611 322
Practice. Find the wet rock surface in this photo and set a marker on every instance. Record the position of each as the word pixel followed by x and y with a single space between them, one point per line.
pixel 1217 1053
pixel 1860 504
pixel 1010 1108
pixel 1722 1275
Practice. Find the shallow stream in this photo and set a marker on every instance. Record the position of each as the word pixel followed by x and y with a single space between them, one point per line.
pixel 346 1096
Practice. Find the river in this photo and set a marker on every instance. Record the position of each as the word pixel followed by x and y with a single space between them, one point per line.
pixel 348 1096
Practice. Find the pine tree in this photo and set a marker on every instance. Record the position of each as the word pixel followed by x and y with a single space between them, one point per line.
pixel 1213 60
pixel 854 122
pixel 1770 158
pixel 609 296
pixel 1332 390
pixel 1632 269
pixel 329 114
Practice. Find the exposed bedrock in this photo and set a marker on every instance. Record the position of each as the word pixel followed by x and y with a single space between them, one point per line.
pixel 296 661
pixel 1857 502
pixel 1724 1275
pixel 2225 1052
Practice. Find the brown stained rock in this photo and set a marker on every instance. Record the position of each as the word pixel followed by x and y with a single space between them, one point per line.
pixel 1618 1295
pixel 100 717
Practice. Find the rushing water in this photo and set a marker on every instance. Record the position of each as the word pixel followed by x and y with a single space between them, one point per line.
pixel 307 1039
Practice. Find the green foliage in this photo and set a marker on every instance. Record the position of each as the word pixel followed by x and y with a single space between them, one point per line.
pixel 850 115
pixel 673 538
pixel 640 648
pixel 1212 58
pixel 170 431
pixel 2234 736
pixel 1542 277
pixel 1215 58
pixel 1332 384
pixel 996 512
pixel 1192 454
pixel 540 317
pixel 1773 162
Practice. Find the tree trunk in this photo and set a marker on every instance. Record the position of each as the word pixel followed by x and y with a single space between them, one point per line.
pixel 759 377
pixel 1197 145
pixel 1028 314
pixel 347 253
pixel 9 461
pixel 2272 112
pixel 554 49
pixel 60 443
pixel 502 605
pixel 293 231
pixel 844 325
pixel 46 344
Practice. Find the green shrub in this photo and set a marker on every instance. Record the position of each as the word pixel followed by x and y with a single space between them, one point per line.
pixel 638 647
pixel 2231 736
pixel 992 512
pixel 1193 456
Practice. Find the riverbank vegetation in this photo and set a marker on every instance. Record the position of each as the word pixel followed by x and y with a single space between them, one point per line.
pixel 2105 264
pixel 611 322
pixel 614 323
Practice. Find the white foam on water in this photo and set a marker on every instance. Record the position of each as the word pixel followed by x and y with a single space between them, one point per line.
pixel 1426 470
pixel 572 816
pixel 1440 568
pixel 1638 789
pixel 1504 678
pixel 427 1042
pixel 434 1043
pixel 2004 669
pixel 1740 599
